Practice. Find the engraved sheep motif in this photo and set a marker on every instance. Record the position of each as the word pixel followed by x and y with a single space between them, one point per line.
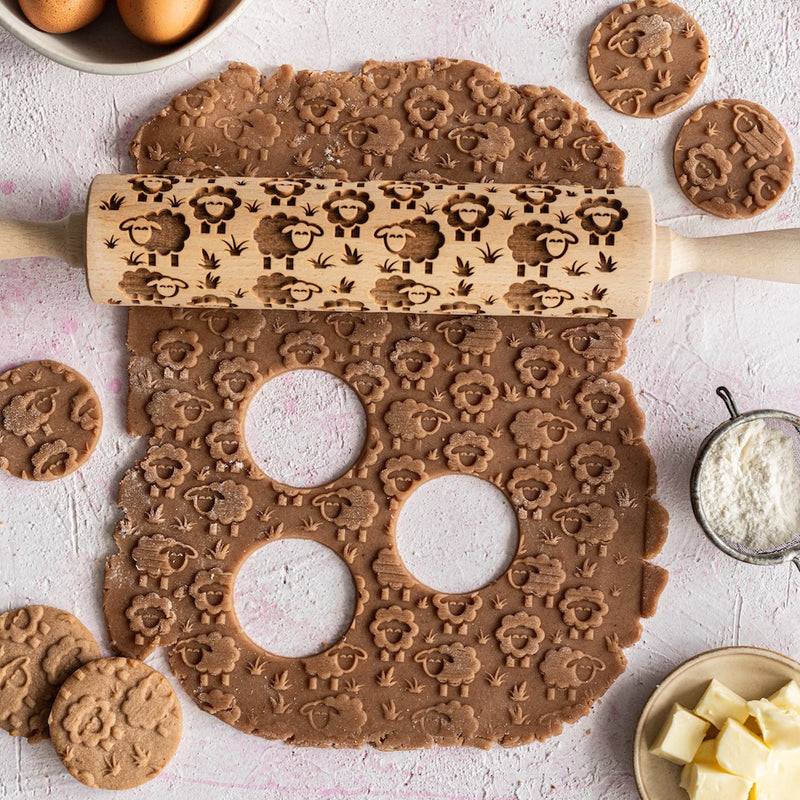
pixel 589 524
pixel 451 665
pixel 151 618
pixel 277 289
pixel 375 137
pixel 165 467
pixel 393 630
pixel 176 411
pixel 159 233
pixel 342 713
pixel 488 91
pixel 552 118
pixel 319 105
pixel 446 724
pixel 214 206
pixel 599 400
pixel 282 237
pixel 539 430
pixel 151 187
pixel 304 349
pixel 30 412
pixel 598 343
pixel 146 286
pixel 484 143
pixel 535 297
pixel 160 557
pixel 537 244
pixel 368 331
pixel 23 626
pixel 428 110
pixel 349 509
pixel 409 419
pixel 222 503
pixel 212 592
pixel 369 380
pixel 330 665
pixel 381 81
pixel 254 131
pixel 418 240
pixel 195 104
pixel 473 393
pixel 400 475
pixel 347 211
pixel 594 465
pixel 403 194
pixel 177 350
pixel 284 191
pixel 468 213
pixel 539 369
pixel 85 410
pixel 468 452
pixel 65 656
pixel 397 292
pixel 604 155
pixel 54 460
pixel 235 379
pixel 15 683
pixel 414 361
pixel 535 198
pixel 537 576
pixel 531 489
pixel 472 336
pixel 457 611
pixel 519 637
pixel 208 654
pixel 392 575
pixel 601 217
pixel 583 610
pixel 565 668
pixel 646 37
pixel 241 326
pixel 226 446
pixel 760 136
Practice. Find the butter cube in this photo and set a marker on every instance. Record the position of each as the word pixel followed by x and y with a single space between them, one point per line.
pixel 680 735
pixel 741 752
pixel 787 696
pixel 780 727
pixel 719 703
pixel 706 754
pixel 706 782
pixel 781 778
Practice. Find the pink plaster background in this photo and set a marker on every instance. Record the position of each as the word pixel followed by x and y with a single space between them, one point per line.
pixel 699 332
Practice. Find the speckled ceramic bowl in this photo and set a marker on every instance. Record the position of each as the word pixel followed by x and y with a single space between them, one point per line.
pixel 107 47
pixel 750 671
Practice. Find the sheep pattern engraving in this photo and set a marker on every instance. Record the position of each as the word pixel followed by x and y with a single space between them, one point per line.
pixel 396 678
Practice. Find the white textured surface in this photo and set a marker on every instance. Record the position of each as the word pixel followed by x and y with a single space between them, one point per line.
pixel 61 127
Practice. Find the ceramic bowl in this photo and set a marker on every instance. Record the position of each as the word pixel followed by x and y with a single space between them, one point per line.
pixel 749 671
pixel 106 46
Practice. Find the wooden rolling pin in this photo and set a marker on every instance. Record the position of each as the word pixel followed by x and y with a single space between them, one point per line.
pixel 384 245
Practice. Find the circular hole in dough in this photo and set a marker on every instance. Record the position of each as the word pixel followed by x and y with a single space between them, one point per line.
pixel 294 597
pixel 457 533
pixel 305 428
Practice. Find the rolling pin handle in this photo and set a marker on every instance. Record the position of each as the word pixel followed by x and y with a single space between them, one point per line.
pixel 64 239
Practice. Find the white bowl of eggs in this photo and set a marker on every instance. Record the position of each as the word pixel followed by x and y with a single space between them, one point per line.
pixel 117 37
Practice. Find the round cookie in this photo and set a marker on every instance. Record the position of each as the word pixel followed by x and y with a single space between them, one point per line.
pixel 40 647
pixel 115 723
pixel 733 159
pixel 647 58
pixel 50 421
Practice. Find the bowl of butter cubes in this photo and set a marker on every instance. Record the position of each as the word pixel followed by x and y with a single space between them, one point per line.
pixel 725 724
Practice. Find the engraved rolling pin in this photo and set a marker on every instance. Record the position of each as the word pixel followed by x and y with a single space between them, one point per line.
pixel 384 246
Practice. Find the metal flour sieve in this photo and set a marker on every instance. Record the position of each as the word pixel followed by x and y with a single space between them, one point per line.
pixel 787 428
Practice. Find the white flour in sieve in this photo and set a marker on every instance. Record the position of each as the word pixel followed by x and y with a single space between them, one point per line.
pixel 750 487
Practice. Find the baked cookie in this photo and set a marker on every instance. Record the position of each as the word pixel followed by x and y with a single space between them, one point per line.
pixel 647 58
pixel 50 421
pixel 40 647
pixel 115 723
pixel 732 158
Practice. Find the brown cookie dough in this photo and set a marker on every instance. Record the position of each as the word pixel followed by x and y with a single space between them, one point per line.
pixel 50 421
pixel 40 647
pixel 115 723
pixel 533 407
pixel 647 58
pixel 732 158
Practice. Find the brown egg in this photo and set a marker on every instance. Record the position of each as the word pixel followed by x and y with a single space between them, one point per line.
pixel 163 21
pixel 61 16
